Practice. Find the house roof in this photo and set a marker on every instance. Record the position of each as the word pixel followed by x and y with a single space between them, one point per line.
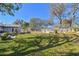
pixel 5 25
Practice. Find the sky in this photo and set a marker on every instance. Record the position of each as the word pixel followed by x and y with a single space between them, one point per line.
pixel 28 11
pixel 32 10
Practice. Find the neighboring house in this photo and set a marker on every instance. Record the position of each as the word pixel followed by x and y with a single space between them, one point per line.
pixel 64 25
pixel 10 28
pixel 40 30
pixel 46 30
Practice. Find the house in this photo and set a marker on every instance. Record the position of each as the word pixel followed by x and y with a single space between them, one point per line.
pixel 46 30
pixel 65 25
pixel 10 28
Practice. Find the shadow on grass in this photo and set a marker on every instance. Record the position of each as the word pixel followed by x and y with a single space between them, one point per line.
pixel 28 53
pixel 51 44
pixel 72 54
pixel 19 53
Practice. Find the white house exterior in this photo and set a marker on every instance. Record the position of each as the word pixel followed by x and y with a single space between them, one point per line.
pixel 10 28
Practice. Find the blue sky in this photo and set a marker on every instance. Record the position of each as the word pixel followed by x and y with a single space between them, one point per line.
pixel 28 11
pixel 32 10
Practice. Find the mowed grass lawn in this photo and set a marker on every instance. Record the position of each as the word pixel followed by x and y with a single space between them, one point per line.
pixel 23 45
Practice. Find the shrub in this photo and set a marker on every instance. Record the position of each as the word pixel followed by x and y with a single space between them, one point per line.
pixel 4 36
pixel 55 31
pixel 14 33
pixel 66 37
pixel 46 40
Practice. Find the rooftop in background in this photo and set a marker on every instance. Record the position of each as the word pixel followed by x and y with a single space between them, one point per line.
pixel 8 25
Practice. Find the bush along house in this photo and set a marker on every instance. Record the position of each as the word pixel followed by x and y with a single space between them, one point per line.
pixel 10 28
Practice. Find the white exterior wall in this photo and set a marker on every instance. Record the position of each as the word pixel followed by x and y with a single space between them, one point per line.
pixel 19 29
pixel 8 30
pixel 1 29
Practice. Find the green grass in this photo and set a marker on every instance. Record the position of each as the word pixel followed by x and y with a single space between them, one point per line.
pixel 23 45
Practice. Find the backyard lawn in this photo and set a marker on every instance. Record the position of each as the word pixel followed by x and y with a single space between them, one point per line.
pixel 41 45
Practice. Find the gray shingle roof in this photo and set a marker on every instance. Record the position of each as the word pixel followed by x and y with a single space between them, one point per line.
pixel 5 25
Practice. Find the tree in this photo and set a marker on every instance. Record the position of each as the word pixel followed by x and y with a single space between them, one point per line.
pixel 22 23
pixel 18 22
pixel 47 23
pixel 58 10
pixel 50 22
pixel 35 23
pixel 9 8
pixel 74 11
pixel 25 25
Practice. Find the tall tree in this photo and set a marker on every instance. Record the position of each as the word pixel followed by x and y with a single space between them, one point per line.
pixel 50 22
pixel 35 23
pixel 25 25
pixel 58 10
pixel 9 8
pixel 18 22
pixel 74 11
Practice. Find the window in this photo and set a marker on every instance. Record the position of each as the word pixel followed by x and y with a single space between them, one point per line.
pixel 12 29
